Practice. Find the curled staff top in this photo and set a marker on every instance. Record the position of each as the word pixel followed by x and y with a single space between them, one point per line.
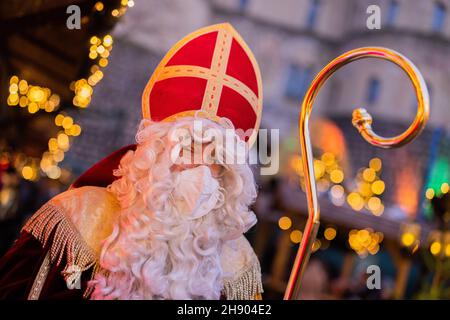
pixel 362 120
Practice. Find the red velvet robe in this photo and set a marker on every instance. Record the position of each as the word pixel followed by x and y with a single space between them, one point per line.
pixel 81 218
pixel 20 265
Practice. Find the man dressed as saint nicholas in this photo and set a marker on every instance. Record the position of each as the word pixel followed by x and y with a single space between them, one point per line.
pixel 164 218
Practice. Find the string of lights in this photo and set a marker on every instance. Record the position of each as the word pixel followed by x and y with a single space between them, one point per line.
pixel 36 98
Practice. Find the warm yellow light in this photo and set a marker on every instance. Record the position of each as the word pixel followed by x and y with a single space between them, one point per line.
pixel 46 163
pixel 23 101
pixel 75 130
pixel 14 79
pixel 13 88
pixel 408 239
pixel 429 194
pixel 82 103
pixel 337 176
pixel 100 49
pixel 54 172
pixel 98 74
pixel 94 40
pixel 92 81
pixel 13 99
pixel 375 164
pixel 445 187
pixel 103 62
pixel 85 91
pixel 59 120
pixel 55 99
pixel 330 233
pixel 115 13
pixel 328 158
pixel 37 94
pixel 355 201
pixel 363 235
pixel 94 68
pixel 49 107
pixel 67 122
pixel 365 189
pixel 107 40
pixel 365 241
pixel 53 144
pixel 378 187
pixel 379 211
pixel 99 6
pixel 80 83
pixel 27 172
pixel 319 168
pixel 284 223
pixel 374 203
pixel 369 174
pixel 63 141
pixel 374 250
pixel 447 250
pixel 58 156
pixel 105 54
pixel 93 55
pixel 296 236
pixel 47 92
pixel 379 236
pixel 435 248
pixel 23 86
pixel 33 107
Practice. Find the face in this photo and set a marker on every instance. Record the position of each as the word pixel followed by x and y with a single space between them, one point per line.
pixel 217 170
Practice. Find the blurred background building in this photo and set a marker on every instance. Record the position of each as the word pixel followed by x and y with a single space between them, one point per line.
pixel 70 97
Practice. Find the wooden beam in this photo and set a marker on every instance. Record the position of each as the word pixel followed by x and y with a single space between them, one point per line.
pixel 46 60
pixel 71 51
pixel 36 76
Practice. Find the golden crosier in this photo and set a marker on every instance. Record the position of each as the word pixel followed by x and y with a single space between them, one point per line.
pixel 363 122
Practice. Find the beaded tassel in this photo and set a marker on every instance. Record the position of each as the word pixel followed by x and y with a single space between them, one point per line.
pixel 66 242
pixel 246 286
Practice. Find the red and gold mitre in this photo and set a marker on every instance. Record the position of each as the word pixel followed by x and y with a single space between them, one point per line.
pixel 211 70
pixel 210 73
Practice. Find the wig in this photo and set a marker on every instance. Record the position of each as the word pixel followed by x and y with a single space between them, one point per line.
pixel 156 251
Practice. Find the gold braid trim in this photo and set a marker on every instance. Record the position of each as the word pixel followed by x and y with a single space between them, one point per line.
pixel 246 285
pixel 41 276
pixel 67 242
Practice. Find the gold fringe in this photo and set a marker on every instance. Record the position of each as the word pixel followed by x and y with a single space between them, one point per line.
pixel 67 242
pixel 246 286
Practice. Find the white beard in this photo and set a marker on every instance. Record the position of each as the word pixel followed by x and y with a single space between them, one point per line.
pixel 169 235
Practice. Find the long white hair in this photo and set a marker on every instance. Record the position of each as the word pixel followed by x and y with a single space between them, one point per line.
pixel 154 252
